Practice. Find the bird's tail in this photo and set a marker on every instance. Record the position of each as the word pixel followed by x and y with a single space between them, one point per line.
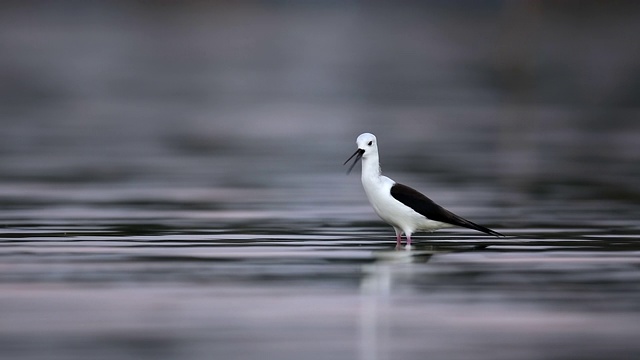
pixel 471 225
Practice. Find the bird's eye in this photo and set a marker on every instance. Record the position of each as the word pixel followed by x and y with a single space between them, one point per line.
pixel 370 143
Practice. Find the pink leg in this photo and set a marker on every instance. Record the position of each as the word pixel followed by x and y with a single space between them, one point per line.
pixel 398 240
pixel 408 239
pixel 398 237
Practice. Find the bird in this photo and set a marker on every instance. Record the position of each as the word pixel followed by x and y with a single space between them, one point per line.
pixel 402 207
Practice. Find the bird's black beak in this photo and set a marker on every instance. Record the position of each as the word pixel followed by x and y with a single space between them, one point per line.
pixel 358 154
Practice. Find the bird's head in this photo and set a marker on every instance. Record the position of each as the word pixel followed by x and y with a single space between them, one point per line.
pixel 367 146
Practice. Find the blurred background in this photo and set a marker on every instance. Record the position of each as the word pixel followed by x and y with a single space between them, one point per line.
pixel 173 130
pixel 135 90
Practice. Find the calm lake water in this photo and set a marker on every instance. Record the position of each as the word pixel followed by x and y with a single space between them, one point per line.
pixel 171 181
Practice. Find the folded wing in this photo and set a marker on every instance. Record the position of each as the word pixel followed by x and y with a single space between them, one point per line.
pixel 427 208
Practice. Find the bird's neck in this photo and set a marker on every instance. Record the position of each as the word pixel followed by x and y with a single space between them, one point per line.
pixel 371 168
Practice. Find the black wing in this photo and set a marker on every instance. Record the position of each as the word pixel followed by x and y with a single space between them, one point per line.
pixel 424 206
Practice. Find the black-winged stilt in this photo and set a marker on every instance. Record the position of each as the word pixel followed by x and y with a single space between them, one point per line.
pixel 402 207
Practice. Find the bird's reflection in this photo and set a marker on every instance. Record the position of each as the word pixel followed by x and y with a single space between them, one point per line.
pixel 390 269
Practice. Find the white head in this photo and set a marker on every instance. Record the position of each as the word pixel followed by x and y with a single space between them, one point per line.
pixel 367 147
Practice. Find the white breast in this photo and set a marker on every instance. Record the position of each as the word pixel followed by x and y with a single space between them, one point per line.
pixel 388 208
